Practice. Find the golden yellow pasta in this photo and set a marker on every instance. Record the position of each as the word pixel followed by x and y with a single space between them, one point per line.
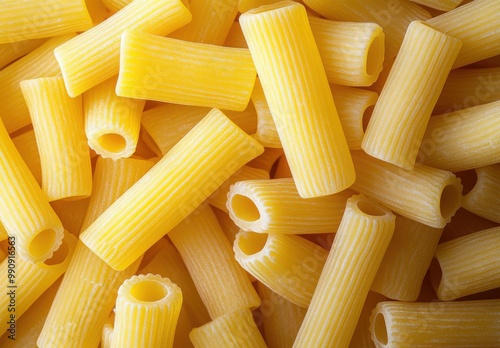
pixel 484 198
pixel 26 145
pixel 12 51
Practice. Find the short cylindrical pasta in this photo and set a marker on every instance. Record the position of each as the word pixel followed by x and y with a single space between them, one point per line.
pixel 358 249
pixel 454 276
pixel 436 324
pixel 425 194
pixel 146 314
pixel 233 329
pixel 289 265
pixel 484 198
pixel 58 124
pixel 274 206
pixel 299 97
pixel 101 43
pixel 403 109
pixel 170 70
pixel 112 123
pixel 207 156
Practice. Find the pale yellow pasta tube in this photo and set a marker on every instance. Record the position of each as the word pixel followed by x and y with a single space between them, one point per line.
pixel 58 124
pixel 25 19
pixel 218 199
pixel 473 130
pixel 406 260
pixel 181 72
pixel 112 123
pixel 281 318
pixel 405 104
pixel 484 198
pixel 274 206
pixel 299 97
pixel 221 283
pixel 454 276
pixel 289 265
pixel 436 324
pixel 146 314
pixel 25 281
pixel 28 149
pixel 24 209
pixel 352 53
pixel 427 195
pixel 476 24
pixel 38 63
pixel 211 21
pixel 360 243
pixel 207 156
pixel 101 44
pixel 12 51
pixel 232 329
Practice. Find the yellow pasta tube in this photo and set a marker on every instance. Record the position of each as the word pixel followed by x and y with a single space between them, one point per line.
pixel 359 246
pixel 112 123
pixel 12 51
pixel 476 25
pixel 115 5
pixel 454 276
pixel 222 284
pixel 107 332
pixel 181 72
pixel 28 149
pixel 24 209
pixel 25 281
pixel 299 97
pixel 101 43
pixel 427 195
pixel 484 198
pixel 352 53
pixel 24 20
pixel 402 112
pixel 473 130
pixel 406 260
pixel 207 156
pixel 233 329
pixel 146 314
pixel 274 206
pixel 281 318
pixel 289 265
pixel 58 124
pixel 212 20
pixel 38 63
pixel 218 199
pixel 436 324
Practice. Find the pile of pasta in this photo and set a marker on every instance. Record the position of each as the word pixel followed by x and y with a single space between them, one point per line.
pixel 250 173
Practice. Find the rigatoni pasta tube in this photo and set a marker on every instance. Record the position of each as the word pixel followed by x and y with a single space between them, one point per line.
pixel 233 329
pixel 359 246
pixel 221 282
pixel 425 194
pixel 25 211
pixel 207 156
pixel 400 117
pixel 289 265
pixel 436 324
pixel 454 276
pixel 146 314
pixel 484 198
pixel 112 123
pixel 476 24
pixel 274 206
pixel 473 130
pixel 181 72
pixel 58 124
pixel 101 43
pixel 296 88
pixel 406 260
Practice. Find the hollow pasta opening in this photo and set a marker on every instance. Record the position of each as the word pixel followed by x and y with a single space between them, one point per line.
pixel 148 291
pixel 112 142
pixel 251 243
pixel 369 208
pixel 375 55
pixel 244 208
pixel 59 255
pixel 450 200
pixel 436 273
pixel 42 243
pixel 367 115
pixel 380 329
